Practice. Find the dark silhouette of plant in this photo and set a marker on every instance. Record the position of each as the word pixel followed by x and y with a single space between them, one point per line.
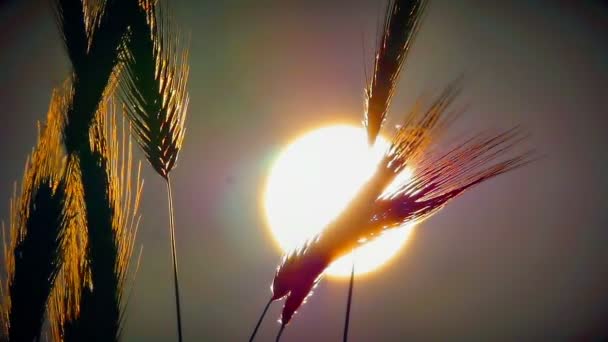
pixel 37 222
pixel 439 176
pixel 110 41
pixel 94 33
pixel 154 88
pixel 108 250
pixel 90 201
pixel 401 23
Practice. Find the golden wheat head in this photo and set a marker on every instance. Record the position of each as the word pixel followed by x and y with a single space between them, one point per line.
pixel 33 254
pixel 80 291
pixel 154 86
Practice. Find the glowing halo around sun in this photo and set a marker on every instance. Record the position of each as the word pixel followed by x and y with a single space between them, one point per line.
pixel 313 179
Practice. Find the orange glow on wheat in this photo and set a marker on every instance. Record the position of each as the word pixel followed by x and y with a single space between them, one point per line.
pixel 310 183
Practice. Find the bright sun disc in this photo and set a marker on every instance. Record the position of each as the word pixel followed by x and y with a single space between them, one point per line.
pixel 313 179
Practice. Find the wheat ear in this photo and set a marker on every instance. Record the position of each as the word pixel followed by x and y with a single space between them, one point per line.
pixel 95 33
pixel 367 215
pixel 401 23
pixel 154 87
pixel 33 255
pixel 110 245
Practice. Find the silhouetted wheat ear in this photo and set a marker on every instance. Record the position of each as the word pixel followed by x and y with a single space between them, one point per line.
pixel 375 209
pixel 94 33
pixel 111 201
pixel 33 254
pixel 75 274
pixel 300 271
pixel 154 88
pixel 401 24
pixel 442 176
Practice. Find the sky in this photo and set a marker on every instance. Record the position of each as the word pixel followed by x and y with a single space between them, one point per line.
pixel 521 257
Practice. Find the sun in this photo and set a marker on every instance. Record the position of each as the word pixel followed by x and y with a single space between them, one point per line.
pixel 313 179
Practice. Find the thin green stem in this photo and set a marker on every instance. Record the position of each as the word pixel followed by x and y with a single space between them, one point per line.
pixel 174 256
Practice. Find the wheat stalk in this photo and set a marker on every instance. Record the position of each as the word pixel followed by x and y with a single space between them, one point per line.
pixel 111 224
pixel 299 271
pixel 114 157
pixel 95 33
pixel 401 22
pixel 91 192
pixel 37 221
pixel 75 274
pixel 439 179
pixel 349 300
pixel 341 236
pixel 155 88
